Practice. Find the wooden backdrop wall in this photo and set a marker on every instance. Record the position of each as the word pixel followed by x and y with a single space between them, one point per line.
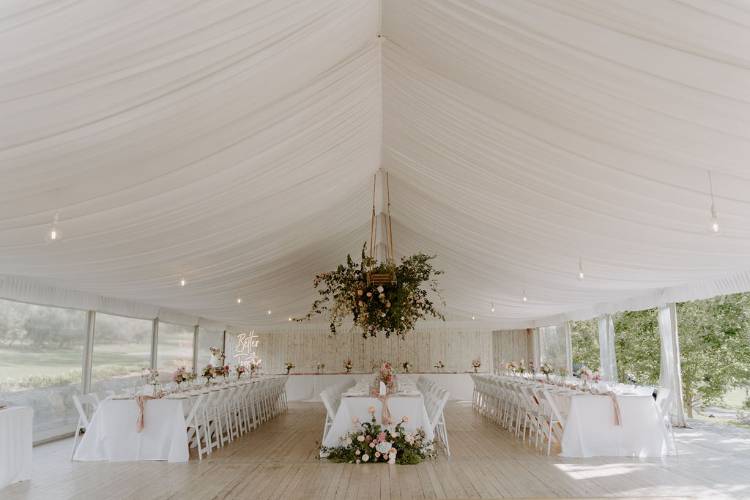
pixel 306 346
pixel 511 345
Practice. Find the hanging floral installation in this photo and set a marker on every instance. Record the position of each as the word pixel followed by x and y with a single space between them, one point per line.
pixel 380 296
pixel 376 305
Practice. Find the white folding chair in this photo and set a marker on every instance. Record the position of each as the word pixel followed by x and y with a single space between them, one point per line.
pixel 194 424
pixel 81 402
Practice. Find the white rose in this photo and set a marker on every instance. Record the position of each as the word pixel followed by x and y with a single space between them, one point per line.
pixel 357 452
pixel 361 438
pixel 348 441
pixel 381 289
pixel 365 457
pixel 394 434
pixel 372 444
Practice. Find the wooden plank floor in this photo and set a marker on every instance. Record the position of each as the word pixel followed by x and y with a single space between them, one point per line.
pixel 279 461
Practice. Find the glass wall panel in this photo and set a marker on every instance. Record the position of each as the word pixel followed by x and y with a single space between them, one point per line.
pixel 584 338
pixel 175 348
pixel 41 355
pixel 637 346
pixel 208 338
pixel 122 350
pixel 552 346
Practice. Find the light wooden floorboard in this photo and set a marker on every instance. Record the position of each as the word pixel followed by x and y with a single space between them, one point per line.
pixel 279 461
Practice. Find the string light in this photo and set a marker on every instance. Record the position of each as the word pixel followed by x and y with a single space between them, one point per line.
pixel 290 318
pixel 525 299
pixel 239 300
pixel 268 312
pixel 183 282
pixel 54 233
pixel 714 218
pixel 580 269
pixel 492 307
pixel 473 317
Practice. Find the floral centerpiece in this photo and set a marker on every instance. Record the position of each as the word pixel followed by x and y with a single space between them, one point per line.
pixel 521 367
pixel 439 365
pixel 370 442
pixel 584 373
pixel 511 366
pixel 208 372
pixel 406 366
pixel 476 363
pixel 390 307
pixel 596 376
pixel 385 375
pixel 240 369
pixel 223 371
pixel 180 375
pixel 289 366
pixel 546 369
pixel 532 369
pixel 255 366
pixel 348 365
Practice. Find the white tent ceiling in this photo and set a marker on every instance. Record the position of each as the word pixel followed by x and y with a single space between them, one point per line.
pixel 233 143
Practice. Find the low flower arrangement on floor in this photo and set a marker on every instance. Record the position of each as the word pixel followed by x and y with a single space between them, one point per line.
pixel 371 442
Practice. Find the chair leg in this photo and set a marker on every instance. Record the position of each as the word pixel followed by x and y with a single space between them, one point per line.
pixel 75 440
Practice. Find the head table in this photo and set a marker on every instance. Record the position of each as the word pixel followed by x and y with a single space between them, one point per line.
pixel 15 444
pixel 356 403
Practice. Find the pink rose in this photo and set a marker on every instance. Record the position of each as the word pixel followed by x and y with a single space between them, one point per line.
pixel 405 419
pixel 381 437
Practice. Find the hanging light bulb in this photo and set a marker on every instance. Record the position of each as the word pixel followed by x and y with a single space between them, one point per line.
pixel 714 218
pixel 290 318
pixel 183 282
pixel 473 318
pixel 54 233
pixel 492 307
pixel 239 300
pixel 524 299
pixel 580 269
pixel 268 312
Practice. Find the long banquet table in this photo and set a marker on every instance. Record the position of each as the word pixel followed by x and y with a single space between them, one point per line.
pixel 589 425
pixel 15 444
pixel 112 433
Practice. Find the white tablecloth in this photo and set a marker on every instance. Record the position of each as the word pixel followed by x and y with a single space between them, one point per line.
pixel 15 444
pixel 590 430
pixel 112 433
pixel 400 406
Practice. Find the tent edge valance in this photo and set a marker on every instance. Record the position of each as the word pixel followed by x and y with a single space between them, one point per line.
pixel 23 289
pixel 28 290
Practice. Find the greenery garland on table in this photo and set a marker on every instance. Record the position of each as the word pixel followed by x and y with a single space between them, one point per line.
pixel 373 443
pixel 391 308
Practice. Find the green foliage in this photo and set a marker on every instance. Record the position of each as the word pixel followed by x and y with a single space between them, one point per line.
pixel 391 308
pixel 714 346
pixel 637 346
pixel 584 337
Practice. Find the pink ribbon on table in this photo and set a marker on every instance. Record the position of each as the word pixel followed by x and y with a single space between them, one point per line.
pixel 386 415
pixel 616 406
pixel 140 401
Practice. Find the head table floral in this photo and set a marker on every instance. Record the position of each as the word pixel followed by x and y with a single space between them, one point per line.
pixel 380 418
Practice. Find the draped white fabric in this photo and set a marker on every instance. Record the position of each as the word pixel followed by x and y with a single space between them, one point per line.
pixel 232 143
pixel 670 375
pixel 607 351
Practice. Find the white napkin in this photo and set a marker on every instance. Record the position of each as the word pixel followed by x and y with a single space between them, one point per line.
pixel 383 389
